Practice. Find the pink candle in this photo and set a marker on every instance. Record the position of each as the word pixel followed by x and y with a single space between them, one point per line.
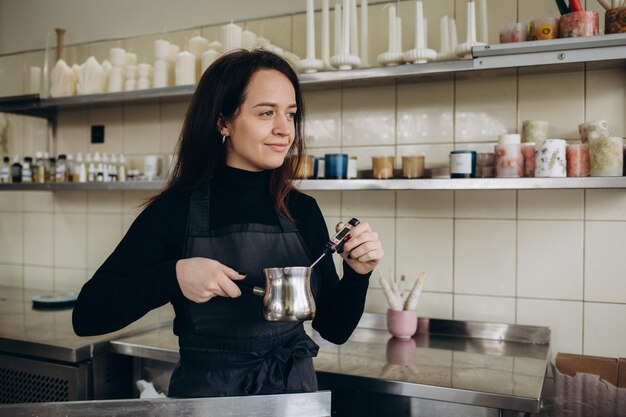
pixel 577 156
pixel 528 153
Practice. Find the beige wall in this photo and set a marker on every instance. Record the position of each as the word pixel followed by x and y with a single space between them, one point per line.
pixel 549 257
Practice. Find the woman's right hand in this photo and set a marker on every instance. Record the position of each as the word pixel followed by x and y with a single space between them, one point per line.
pixel 201 279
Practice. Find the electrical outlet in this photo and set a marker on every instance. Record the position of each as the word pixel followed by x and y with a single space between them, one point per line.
pixel 97 134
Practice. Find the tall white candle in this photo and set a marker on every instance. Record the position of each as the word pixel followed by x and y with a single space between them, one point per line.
pixel 160 73
pixel 345 33
pixel 398 34
pixel 444 33
pixel 130 59
pixel 483 21
pixel 310 30
pixel 208 58
pixel 392 28
pixel 172 53
pixel 337 33
pixel 419 25
pixel 364 40
pixel 185 68
pixel 454 38
pixel 325 33
pixel 231 37
pixel 35 80
pixel 117 56
pixel 161 49
pixel 471 22
pixel 354 30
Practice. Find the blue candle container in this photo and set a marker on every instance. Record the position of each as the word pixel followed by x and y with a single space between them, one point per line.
pixel 336 166
pixel 463 164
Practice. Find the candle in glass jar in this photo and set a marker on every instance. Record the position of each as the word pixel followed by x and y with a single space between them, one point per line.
pixel 382 167
pixel 231 37
pixel 577 160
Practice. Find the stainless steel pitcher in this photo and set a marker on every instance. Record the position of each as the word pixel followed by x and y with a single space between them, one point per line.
pixel 287 295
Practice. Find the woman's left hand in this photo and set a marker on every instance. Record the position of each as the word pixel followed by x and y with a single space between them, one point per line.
pixel 362 251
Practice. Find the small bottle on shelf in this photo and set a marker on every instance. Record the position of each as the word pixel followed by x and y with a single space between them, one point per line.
pixel 113 177
pixel 69 168
pixel 39 169
pixel 80 169
pixel 121 169
pixel 16 170
pixel 61 169
pixel 98 168
pixel 27 172
pixel 5 170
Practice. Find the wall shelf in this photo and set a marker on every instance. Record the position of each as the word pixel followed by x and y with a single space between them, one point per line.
pixel 366 184
pixel 558 53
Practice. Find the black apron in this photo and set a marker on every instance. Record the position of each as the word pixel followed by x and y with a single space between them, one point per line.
pixel 229 348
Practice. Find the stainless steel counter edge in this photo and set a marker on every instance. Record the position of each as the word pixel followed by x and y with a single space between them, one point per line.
pixel 313 404
pixel 432 392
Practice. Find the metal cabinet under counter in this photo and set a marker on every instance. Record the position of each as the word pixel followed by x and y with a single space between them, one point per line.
pixel 41 359
pixel 451 367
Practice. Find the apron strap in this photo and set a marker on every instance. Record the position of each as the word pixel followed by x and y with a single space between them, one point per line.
pixel 198 221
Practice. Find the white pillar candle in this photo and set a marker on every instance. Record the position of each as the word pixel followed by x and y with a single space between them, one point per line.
pixel 354 29
pixel 483 21
pixel 471 22
pixel 130 85
pixel 444 34
pixel 172 52
pixel 310 30
pixel 231 37
pixel 345 33
pixel 217 45
pixel 337 32
pixel 143 70
pixel 509 160
pixel 116 80
pixel 130 58
pixel 160 73
pixel 325 33
pixel 248 39
pixel 454 39
pixel 131 72
pixel 35 80
pixel 208 58
pixel 364 39
pixel 197 46
pixel 143 84
pixel 550 158
pixel 398 34
pixel 392 28
pixel 161 49
pixel 117 56
pixel 419 25
pixel 106 69
pixel 185 68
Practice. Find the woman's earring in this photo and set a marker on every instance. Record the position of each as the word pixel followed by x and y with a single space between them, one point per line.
pixel 223 139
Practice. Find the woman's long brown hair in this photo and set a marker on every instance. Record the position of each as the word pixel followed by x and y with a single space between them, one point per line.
pixel 220 93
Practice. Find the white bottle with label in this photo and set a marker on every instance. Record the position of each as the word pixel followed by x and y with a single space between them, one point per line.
pixel 5 170
pixel 27 172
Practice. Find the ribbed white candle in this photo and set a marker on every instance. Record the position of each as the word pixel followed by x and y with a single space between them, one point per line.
pixel 345 33
pixel 231 37
pixel 185 68
pixel 419 25
pixel 354 29
pixel 398 34
pixel 392 28
pixel 364 39
pixel 161 49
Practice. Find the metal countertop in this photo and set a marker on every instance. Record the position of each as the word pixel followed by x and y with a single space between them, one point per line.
pixel 484 364
pixel 313 404
pixel 48 334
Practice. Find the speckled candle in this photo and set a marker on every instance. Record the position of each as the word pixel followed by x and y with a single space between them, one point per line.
pixel 594 129
pixel 606 156
pixel 550 159
pixel 534 131
pixel 577 160
pixel 509 160
pixel 528 153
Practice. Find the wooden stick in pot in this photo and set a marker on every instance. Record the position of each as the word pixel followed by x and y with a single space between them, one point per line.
pixel 60 35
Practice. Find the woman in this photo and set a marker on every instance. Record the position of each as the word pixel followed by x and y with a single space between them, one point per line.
pixel 229 207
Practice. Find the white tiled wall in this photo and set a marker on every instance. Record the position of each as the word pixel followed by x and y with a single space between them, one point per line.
pixel 549 257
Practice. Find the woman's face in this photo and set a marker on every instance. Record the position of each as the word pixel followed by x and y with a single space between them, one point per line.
pixel 263 131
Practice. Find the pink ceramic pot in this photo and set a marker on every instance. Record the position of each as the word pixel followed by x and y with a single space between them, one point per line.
pixel 402 324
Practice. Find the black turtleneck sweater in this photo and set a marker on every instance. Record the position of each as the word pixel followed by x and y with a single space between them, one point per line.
pixel 140 274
